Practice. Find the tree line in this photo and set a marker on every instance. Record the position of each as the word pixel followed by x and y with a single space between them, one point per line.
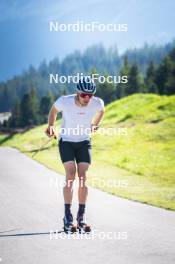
pixel 105 61
pixel 159 79
pixel 33 108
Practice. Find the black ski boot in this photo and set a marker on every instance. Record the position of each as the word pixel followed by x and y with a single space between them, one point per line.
pixel 69 227
pixel 82 225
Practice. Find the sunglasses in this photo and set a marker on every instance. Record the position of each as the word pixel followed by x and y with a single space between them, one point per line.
pixel 83 95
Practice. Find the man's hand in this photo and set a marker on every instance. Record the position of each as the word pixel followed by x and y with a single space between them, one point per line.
pixel 94 128
pixel 96 121
pixel 50 132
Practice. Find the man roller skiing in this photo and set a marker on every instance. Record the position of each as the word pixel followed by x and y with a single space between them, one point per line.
pixel 81 114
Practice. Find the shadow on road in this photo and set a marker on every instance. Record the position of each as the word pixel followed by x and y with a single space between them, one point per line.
pixel 10 230
pixel 30 234
pixel 6 138
pixel 34 150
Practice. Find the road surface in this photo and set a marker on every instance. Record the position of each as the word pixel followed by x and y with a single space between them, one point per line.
pixel 31 212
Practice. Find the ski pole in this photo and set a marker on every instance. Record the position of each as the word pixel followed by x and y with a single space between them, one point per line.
pixel 42 146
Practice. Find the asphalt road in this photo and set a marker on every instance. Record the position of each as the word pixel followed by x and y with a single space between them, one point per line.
pixel 31 212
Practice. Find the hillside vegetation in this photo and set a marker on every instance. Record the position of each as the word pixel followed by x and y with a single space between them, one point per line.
pixel 139 161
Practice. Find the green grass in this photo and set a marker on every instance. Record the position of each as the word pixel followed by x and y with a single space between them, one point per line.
pixel 139 163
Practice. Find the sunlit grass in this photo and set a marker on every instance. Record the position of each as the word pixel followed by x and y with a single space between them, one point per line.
pixel 143 159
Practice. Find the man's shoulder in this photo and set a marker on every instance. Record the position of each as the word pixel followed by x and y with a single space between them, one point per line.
pixel 63 101
pixel 66 98
pixel 98 103
pixel 97 100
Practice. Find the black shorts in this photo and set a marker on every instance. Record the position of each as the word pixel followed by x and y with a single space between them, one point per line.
pixel 79 151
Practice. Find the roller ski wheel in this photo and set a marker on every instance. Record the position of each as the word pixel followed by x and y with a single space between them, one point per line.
pixel 69 227
pixel 82 226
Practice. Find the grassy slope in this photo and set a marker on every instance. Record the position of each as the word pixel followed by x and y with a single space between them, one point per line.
pixel 140 163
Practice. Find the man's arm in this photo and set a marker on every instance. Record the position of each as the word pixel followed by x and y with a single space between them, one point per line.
pixel 50 131
pixel 97 120
pixel 52 116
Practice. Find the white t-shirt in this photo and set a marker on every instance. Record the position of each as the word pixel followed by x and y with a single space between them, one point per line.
pixel 76 120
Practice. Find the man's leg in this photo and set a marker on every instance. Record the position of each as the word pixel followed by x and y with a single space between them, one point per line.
pixel 70 170
pixel 82 197
pixel 82 168
pixel 83 189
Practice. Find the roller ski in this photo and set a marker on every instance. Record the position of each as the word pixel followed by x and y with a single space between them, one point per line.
pixel 82 226
pixel 69 227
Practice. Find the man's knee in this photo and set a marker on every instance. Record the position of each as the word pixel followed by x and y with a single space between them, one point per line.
pixel 82 180
pixel 70 170
pixel 82 175
pixel 70 177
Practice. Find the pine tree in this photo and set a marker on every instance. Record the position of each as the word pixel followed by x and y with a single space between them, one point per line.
pixel 16 115
pixel 122 87
pixel 106 91
pixel 162 75
pixel 170 81
pixel 45 105
pixel 150 85
pixel 29 109
pixel 133 80
pixel 34 106
pixel 26 115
